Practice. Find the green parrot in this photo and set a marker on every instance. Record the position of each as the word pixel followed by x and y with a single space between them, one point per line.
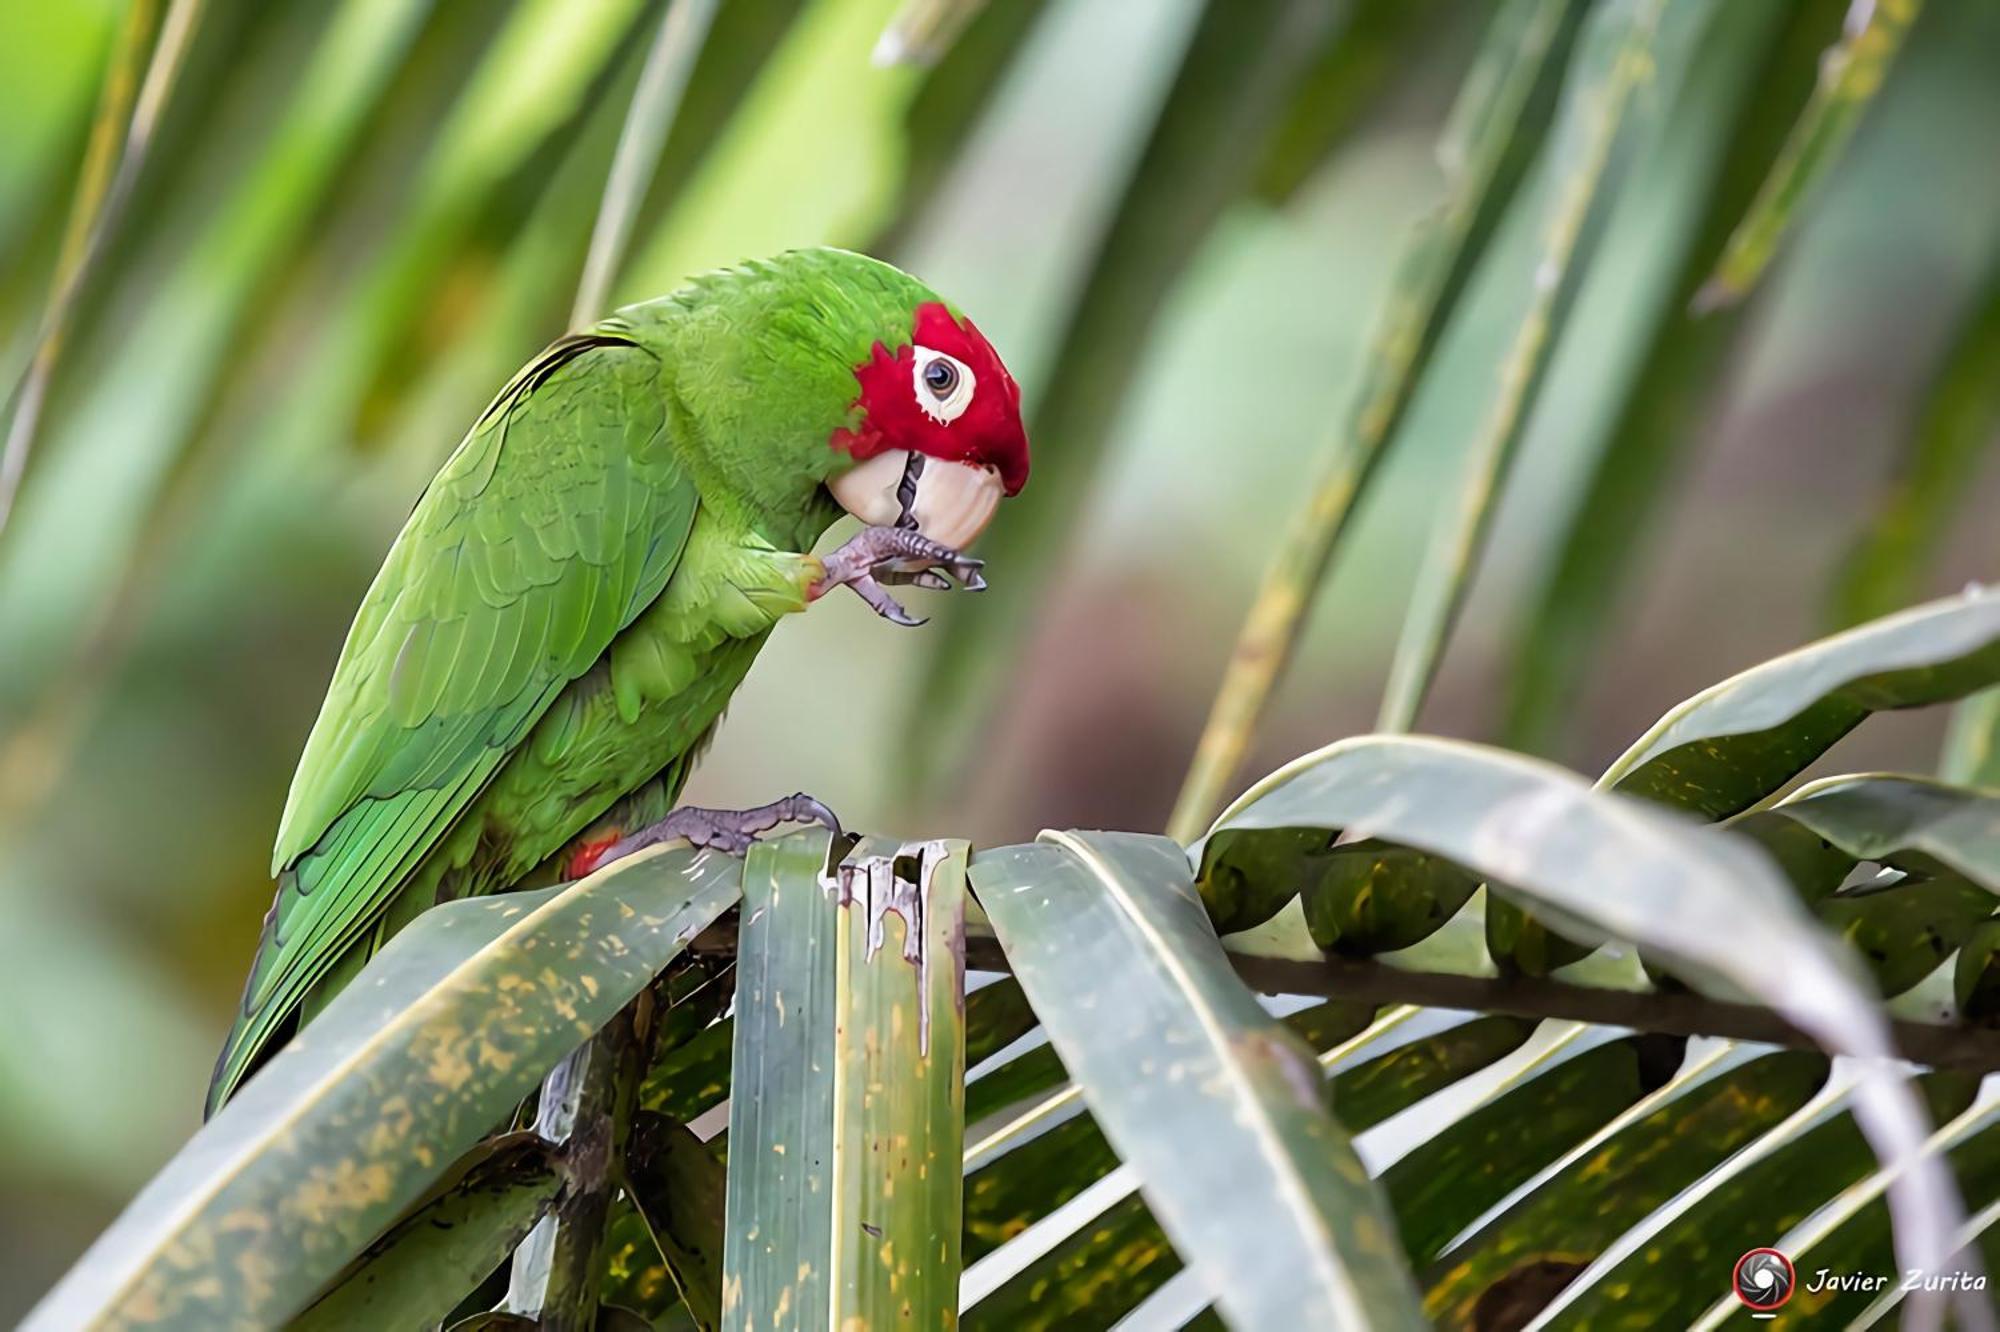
pixel 557 629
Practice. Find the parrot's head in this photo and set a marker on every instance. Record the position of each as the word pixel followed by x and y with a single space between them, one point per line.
pixel 934 439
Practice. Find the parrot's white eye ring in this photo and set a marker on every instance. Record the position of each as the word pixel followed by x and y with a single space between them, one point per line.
pixel 943 384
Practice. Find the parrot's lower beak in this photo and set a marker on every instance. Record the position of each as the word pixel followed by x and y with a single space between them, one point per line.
pixel 949 502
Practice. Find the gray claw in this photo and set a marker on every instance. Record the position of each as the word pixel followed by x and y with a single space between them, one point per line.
pixel 802 808
pixel 882 603
pixel 926 573
pixel 729 831
pixel 966 570
pixel 928 579
pixel 876 556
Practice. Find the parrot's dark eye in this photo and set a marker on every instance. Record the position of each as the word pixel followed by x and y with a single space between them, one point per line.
pixel 943 385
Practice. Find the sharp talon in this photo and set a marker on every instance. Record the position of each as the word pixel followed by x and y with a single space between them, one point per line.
pixel 732 832
pixel 928 579
pixel 901 556
pixel 802 808
pixel 882 603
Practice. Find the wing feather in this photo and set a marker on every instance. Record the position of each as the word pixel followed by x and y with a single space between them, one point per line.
pixel 558 519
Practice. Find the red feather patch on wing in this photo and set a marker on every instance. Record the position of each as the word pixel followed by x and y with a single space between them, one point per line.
pixel 586 855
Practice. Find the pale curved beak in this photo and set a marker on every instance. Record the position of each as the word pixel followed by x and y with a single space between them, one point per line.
pixel 951 502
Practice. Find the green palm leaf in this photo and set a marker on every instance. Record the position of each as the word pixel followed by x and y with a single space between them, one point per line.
pixel 1274 1209
pixel 844 1203
pixel 407 1069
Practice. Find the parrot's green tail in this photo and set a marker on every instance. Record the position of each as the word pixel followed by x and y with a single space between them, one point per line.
pixel 243 1050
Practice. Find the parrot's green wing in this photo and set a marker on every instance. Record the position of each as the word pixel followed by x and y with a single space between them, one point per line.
pixel 560 517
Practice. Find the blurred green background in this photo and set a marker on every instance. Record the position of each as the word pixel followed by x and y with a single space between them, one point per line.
pixel 357 218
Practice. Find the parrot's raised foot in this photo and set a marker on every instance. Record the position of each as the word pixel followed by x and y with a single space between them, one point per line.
pixel 730 831
pixel 879 555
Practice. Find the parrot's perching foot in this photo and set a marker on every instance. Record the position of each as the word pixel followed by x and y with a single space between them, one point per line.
pixel 879 555
pixel 730 831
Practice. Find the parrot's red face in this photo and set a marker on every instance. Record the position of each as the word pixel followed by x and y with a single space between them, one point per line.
pixel 939 440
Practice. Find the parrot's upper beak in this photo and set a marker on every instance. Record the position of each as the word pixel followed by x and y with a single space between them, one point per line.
pixel 949 502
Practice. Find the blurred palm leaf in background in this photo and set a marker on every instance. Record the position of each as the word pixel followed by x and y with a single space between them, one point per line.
pixel 1625 342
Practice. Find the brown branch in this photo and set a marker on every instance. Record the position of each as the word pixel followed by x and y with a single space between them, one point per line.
pixel 586 1107
pixel 1675 1013
pixel 1670 1013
